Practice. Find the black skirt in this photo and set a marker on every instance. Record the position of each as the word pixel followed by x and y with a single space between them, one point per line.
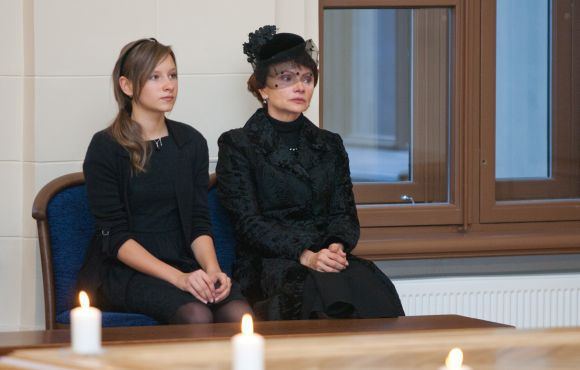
pixel 361 290
pixel 128 290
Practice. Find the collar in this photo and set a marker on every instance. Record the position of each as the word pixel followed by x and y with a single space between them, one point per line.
pixel 180 132
pixel 264 136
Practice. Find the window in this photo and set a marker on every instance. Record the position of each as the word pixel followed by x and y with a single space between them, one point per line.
pixel 461 120
pixel 382 67
pixel 533 175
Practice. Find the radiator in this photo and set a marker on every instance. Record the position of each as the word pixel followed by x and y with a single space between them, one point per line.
pixel 524 301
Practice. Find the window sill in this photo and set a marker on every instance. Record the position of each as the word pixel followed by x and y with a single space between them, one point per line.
pixel 385 244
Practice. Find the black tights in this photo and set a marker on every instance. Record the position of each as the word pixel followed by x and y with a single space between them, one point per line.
pixel 199 313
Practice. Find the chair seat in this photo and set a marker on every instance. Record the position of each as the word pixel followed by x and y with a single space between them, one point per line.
pixel 112 319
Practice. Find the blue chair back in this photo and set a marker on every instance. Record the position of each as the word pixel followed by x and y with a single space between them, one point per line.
pixel 223 233
pixel 65 227
pixel 71 226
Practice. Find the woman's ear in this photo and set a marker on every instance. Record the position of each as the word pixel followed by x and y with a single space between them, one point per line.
pixel 126 86
pixel 263 94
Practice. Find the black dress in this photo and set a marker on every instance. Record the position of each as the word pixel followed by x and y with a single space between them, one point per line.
pixel 287 187
pixel 156 226
pixel 352 292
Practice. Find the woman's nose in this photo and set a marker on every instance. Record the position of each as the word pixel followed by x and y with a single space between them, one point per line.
pixel 299 86
pixel 169 84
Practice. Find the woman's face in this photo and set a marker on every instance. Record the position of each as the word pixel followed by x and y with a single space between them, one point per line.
pixel 159 92
pixel 288 90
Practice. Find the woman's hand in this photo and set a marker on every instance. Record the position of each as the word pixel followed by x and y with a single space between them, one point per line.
pixel 204 252
pixel 338 248
pixel 331 259
pixel 199 284
pixel 222 284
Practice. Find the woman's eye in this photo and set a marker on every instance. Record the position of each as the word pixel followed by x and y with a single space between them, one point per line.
pixel 173 76
pixel 286 78
pixel 154 77
pixel 308 80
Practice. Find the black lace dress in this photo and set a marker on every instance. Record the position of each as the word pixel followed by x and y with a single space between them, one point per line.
pixel 156 226
pixel 358 290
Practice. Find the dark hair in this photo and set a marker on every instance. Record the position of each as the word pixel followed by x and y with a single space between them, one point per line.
pixel 258 79
pixel 136 62
pixel 267 49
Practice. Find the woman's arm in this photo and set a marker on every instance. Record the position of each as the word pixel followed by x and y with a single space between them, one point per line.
pixel 218 283
pixel 103 179
pixel 138 258
pixel 344 227
pixel 204 252
pixel 200 220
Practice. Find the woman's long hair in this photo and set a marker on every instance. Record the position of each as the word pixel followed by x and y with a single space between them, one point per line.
pixel 136 62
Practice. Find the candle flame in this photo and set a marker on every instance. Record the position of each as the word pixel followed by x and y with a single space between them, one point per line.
pixel 454 359
pixel 84 299
pixel 247 324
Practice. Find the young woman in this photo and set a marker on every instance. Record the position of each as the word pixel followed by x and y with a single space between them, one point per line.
pixel 286 184
pixel 147 183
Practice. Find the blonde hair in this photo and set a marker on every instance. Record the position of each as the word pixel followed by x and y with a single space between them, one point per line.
pixel 136 62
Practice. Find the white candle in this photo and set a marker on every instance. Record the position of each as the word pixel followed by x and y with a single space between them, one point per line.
pixel 454 361
pixel 85 327
pixel 247 347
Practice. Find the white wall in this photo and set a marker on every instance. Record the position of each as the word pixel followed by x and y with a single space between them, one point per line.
pixel 55 92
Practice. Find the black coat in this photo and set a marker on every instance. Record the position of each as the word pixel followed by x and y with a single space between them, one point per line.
pixel 282 203
pixel 107 171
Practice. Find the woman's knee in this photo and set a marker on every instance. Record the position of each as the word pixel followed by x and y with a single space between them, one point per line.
pixel 192 313
pixel 233 311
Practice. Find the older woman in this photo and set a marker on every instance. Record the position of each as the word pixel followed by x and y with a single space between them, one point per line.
pixel 286 184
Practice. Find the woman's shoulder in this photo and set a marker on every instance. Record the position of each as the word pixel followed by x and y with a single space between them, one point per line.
pixel 323 136
pixel 234 137
pixel 103 148
pixel 329 136
pixel 103 141
pixel 184 131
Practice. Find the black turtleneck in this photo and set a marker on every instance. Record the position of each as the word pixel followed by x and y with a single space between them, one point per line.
pixel 289 132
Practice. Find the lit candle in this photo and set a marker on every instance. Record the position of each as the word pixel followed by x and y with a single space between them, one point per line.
pixel 248 347
pixel 85 327
pixel 454 361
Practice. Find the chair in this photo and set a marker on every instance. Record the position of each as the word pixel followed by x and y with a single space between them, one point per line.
pixel 65 227
pixel 223 232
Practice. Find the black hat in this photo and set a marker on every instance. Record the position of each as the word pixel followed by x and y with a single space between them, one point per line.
pixel 265 47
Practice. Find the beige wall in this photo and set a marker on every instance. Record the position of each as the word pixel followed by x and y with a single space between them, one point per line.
pixel 55 92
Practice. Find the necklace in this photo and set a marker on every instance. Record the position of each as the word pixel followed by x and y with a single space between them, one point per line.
pixel 158 143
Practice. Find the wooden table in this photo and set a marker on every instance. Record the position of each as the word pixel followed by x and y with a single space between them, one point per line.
pixel 10 341
pixel 484 349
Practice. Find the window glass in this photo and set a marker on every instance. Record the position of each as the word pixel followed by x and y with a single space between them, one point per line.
pixel 536 133
pixel 386 91
pixel 523 80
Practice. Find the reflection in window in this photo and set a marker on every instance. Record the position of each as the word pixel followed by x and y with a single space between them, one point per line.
pixel 366 89
pixel 523 74
pixel 386 91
